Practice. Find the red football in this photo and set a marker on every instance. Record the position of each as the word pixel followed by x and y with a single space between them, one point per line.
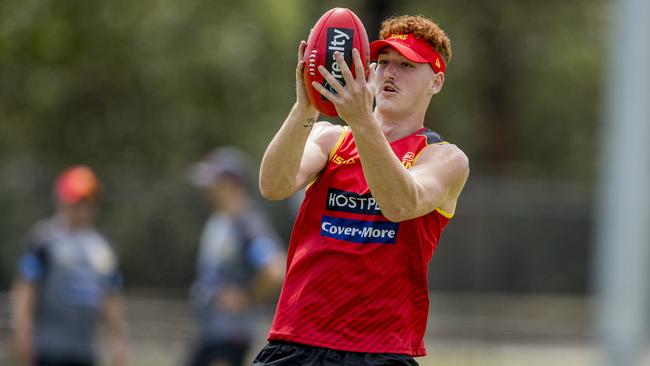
pixel 339 29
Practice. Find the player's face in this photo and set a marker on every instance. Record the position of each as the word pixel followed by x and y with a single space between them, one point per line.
pixel 80 214
pixel 225 192
pixel 402 85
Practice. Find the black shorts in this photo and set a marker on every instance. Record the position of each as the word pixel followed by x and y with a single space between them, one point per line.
pixel 291 354
pixel 49 361
pixel 232 354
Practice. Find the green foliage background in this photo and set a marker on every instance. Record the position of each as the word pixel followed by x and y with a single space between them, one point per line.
pixel 140 90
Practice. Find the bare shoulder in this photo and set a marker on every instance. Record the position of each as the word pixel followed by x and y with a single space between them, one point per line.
pixel 447 153
pixel 448 157
pixel 326 134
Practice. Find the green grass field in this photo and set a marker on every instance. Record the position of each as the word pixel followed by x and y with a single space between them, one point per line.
pixel 463 330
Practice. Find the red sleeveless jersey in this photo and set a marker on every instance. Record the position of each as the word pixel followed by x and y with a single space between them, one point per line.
pixel 355 280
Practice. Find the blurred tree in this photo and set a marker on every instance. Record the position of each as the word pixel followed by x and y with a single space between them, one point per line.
pixel 376 11
pixel 138 90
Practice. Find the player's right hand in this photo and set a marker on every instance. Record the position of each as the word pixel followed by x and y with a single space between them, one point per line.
pixel 302 99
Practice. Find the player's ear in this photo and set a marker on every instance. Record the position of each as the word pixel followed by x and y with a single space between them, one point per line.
pixel 437 82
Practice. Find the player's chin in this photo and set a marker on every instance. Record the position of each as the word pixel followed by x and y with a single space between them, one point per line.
pixel 384 102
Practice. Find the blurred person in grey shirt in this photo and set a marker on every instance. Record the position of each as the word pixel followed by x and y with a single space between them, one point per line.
pixel 68 280
pixel 240 262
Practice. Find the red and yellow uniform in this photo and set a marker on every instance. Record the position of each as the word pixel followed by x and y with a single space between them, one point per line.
pixel 355 280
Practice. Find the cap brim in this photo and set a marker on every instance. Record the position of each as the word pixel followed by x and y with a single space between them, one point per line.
pixel 404 50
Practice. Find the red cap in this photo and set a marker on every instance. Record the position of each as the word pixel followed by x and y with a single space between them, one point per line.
pixel 411 47
pixel 75 184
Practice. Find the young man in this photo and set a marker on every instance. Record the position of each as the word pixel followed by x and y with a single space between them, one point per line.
pixel 68 279
pixel 380 193
pixel 240 261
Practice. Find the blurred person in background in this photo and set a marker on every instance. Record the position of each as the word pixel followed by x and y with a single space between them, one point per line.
pixel 240 262
pixel 68 280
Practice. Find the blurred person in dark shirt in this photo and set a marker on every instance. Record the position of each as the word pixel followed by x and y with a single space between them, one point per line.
pixel 68 280
pixel 240 262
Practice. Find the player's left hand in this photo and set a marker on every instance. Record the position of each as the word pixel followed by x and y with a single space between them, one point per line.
pixel 354 101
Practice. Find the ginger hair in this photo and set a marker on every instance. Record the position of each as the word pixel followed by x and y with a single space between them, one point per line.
pixel 421 27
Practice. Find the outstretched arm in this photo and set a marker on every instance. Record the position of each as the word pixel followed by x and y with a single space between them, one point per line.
pixel 299 149
pixel 434 182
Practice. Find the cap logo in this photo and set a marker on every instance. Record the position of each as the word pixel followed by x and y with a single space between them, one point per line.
pixel 437 62
pixel 403 37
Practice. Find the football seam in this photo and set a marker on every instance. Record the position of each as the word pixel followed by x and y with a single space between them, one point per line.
pixel 311 65
pixel 315 55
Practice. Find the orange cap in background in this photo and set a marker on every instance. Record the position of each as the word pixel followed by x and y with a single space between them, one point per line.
pixel 75 184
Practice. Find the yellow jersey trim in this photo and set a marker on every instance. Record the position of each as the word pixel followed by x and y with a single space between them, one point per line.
pixel 338 143
pixel 424 148
pixel 444 213
pixel 312 181
pixel 331 153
